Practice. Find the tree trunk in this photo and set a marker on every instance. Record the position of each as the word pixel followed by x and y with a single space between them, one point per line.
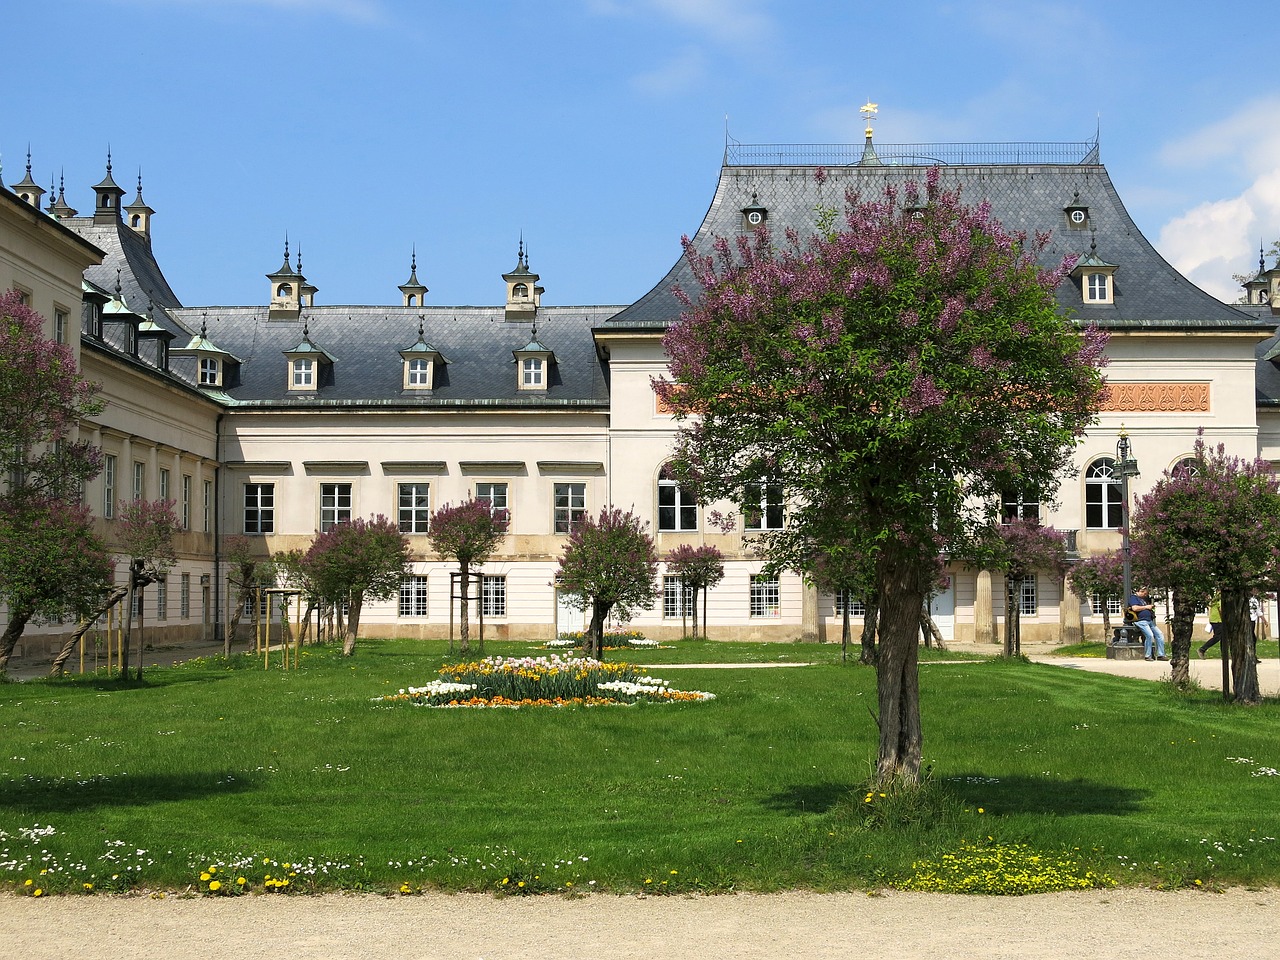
pixel 1184 617
pixel 595 641
pixel 233 621
pixel 353 623
pixel 464 645
pixel 844 632
pixel 901 596
pixel 60 661
pixel 1010 617
pixel 930 629
pixel 870 624
pixel 1106 620
pixel 1235 620
pixel 705 588
pixel 126 633
pixel 694 612
pixel 17 623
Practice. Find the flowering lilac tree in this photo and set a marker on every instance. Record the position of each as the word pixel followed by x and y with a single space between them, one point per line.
pixel 146 530
pixel 1212 528
pixel 609 565
pixel 469 533
pixel 1101 576
pixel 357 559
pixel 1022 548
pixel 913 359
pixel 699 569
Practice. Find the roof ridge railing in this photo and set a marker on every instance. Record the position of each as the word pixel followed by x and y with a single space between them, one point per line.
pixel 908 154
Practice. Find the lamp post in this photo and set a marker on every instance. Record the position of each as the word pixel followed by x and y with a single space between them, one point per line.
pixel 1126 467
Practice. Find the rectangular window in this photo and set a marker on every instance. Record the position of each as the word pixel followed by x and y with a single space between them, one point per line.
pixel 164 484
pixel 413 596
pixel 677 599
pixel 766 596
pixel 186 501
pixel 184 596
pixel 59 326
pixel 762 507
pixel 335 505
pixel 1017 505
pixel 415 507
pixel 1098 286
pixel 139 480
pixel 303 375
pixel 1096 602
pixel 136 605
pixel 857 608
pixel 570 505
pixel 532 367
pixel 493 596
pixel 677 506
pixel 208 372
pixel 109 486
pixel 208 504
pixel 495 494
pixel 259 508
pixel 1027 605
pixel 162 599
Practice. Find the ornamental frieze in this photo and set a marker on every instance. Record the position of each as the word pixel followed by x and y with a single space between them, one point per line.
pixel 1156 397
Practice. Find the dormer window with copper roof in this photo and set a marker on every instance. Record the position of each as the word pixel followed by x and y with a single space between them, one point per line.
pixel 533 364
pixel 307 364
pixel 214 366
pixel 421 361
pixel 1097 278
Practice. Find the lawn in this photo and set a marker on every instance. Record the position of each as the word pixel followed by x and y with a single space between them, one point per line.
pixel 216 772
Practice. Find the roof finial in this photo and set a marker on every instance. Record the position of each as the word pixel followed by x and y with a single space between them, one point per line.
pixel 108 159
pixel 118 297
pixel 204 325
pixel 1093 240
pixel 28 161
pixel 422 333
pixel 1262 260
pixel 869 111
pixel 413 259
pixel 139 199
pixel 299 258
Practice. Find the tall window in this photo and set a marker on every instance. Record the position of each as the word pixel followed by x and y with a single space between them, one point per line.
pixel 415 507
pixel 60 326
pixel 208 505
pixel 1103 502
pixel 335 505
pixel 677 507
pixel 532 367
pixel 1028 605
pixel 162 598
pixel 766 596
pixel 184 596
pixel 495 494
pixel 677 599
pixel 570 505
pixel 109 486
pixel 413 596
pixel 186 501
pixel 259 508
pixel 139 480
pixel 1017 505
pixel 164 484
pixel 208 371
pixel 1098 287
pixel 493 596
pixel 304 373
pixel 762 506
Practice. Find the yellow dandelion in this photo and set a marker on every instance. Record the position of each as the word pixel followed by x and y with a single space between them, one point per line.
pixel 215 885
pixel 37 892
pixel 88 886
pixel 204 876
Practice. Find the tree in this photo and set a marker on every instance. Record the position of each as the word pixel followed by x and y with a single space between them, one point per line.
pixel 1022 548
pixel 1211 528
pixel 469 533
pixel 699 569
pixel 146 530
pixel 913 359
pixel 246 571
pixel 1100 576
pixel 610 565
pixel 357 559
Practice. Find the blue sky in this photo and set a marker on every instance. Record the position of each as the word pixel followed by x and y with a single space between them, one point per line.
pixel 595 128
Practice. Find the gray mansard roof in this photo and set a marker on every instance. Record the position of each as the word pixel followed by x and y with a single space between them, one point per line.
pixel 1149 293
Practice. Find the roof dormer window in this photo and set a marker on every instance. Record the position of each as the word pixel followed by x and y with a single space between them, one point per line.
pixel 419 373
pixel 1097 288
pixel 533 364
pixel 304 373
pixel 210 372
pixel 422 363
pixel 531 373
pixel 1096 278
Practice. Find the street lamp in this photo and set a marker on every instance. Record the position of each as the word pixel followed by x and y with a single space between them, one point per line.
pixel 1126 467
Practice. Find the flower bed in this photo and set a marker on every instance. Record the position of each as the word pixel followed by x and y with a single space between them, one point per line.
pixel 613 640
pixel 541 681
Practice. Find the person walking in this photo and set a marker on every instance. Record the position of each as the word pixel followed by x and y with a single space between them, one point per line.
pixel 1142 607
pixel 1215 625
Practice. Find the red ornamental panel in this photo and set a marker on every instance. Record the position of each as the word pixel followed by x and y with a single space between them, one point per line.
pixel 1156 398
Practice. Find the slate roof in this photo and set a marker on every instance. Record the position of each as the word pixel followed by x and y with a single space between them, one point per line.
pixel 1149 293
pixel 366 342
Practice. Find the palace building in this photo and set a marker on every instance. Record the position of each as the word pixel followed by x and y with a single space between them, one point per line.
pixel 278 419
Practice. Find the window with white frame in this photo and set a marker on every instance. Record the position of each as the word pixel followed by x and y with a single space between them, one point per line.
pixel 570 505
pixel 59 325
pixel 1113 605
pixel 1018 505
pixel 531 372
pixel 419 373
pixel 259 508
pixel 1027 602
pixel 494 494
pixel 335 505
pixel 857 608
pixel 164 484
pixel 208 505
pixel 414 507
pixel 413 596
pixel 762 507
pixel 677 506
pixel 304 373
pixel 186 501
pixel 766 596
pixel 136 605
pixel 109 486
pixel 162 599
pixel 677 598
pixel 493 596
pixel 1103 501
pixel 139 480
pixel 184 596
pixel 208 371
pixel 1098 287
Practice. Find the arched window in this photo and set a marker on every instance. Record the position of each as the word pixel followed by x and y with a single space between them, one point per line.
pixel 303 373
pixel 1103 503
pixel 284 290
pixel 135 220
pixel 419 373
pixel 677 506
pixel 520 291
pixel 1186 467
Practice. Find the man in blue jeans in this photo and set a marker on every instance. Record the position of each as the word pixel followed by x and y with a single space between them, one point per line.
pixel 1142 607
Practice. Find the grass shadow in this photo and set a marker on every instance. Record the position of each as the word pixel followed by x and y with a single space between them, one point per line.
pixel 45 796
pixel 808 797
pixel 1043 795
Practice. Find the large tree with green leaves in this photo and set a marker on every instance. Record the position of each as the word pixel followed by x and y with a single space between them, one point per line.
pixel 469 533
pixel 912 357
pixel 1213 527
pixel 355 560
pixel 609 565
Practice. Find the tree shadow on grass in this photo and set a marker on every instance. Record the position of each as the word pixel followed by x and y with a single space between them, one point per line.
pixel 808 797
pixel 1019 794
pixel 51 795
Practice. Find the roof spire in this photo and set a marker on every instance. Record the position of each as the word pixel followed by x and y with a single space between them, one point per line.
pixel 869 111
pixel 118 297
pixel 1262 261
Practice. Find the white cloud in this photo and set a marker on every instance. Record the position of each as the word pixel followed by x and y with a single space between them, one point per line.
pixel 678 74
pixel 1219 238
pixel 730 22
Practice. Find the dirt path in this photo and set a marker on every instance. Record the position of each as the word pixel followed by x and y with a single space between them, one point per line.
pixel 894 926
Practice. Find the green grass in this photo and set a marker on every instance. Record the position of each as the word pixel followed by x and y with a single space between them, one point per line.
pixel 226 765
